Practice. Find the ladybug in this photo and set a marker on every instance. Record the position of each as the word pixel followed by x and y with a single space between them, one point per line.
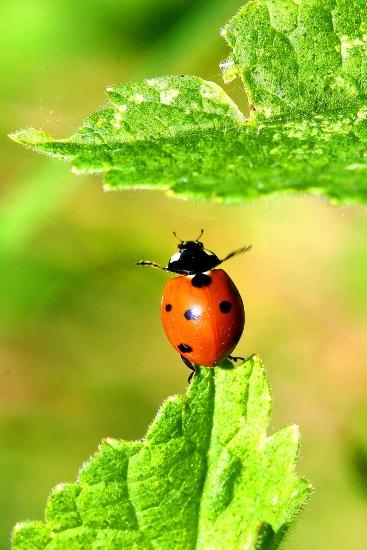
pixel 201 310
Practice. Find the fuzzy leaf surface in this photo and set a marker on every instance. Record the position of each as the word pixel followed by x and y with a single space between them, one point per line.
pixel 304 69
pixel 206 476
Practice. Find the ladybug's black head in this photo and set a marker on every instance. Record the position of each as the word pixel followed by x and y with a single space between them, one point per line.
pixel 192 258
pixel 190 245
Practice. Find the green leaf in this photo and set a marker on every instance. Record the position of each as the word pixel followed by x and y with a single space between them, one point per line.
pixel 205 476
pixel 304 68
pixel 298 58
pixel 150 110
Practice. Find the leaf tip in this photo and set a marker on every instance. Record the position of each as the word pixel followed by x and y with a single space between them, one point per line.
pixel 252 360
pixel 18 526
pixel 295 433
pixel 27 535
pixel 59 487
pixel 30 137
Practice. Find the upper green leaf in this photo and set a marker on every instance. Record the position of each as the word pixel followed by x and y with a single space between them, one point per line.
pixel 297 58
pixel 205 476
pixel 304 67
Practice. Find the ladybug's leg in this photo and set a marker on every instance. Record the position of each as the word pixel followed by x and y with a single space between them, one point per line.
pixel 235 252
pixel 191 367
pixel 235 358
pixel 151 264
pixel 244 359
pixel 190 377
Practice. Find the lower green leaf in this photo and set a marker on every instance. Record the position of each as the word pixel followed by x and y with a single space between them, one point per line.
pixel 205 476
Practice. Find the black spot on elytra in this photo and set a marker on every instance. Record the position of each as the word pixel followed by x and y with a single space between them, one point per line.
pixel 185 348
pixel 191 316
pixel 168 307
pixel 225 306
pixel 200 279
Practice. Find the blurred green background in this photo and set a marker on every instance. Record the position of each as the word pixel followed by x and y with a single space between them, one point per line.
pixel 83 355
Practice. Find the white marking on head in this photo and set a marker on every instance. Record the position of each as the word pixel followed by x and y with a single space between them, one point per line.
pixel 176 256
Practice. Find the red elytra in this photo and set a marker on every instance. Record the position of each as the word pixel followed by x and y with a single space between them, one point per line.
pixel 204 324
pixel 201 310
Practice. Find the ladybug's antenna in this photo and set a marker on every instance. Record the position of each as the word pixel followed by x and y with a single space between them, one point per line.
pixel 236 252
pixel 178 238
pixel 199 237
